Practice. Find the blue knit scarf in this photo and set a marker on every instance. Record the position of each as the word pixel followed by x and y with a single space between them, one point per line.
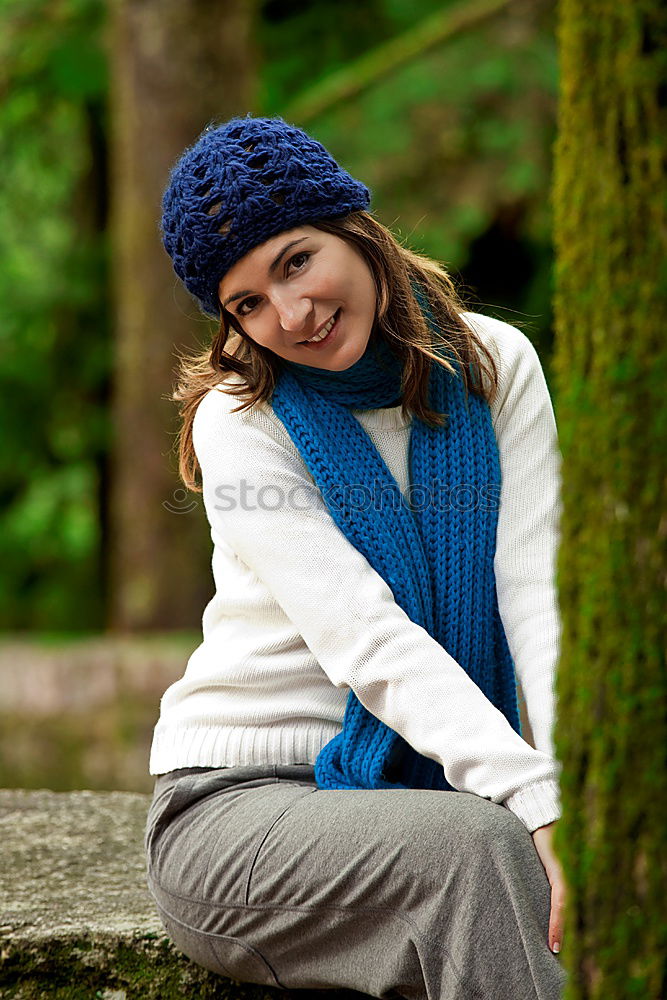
pixel 435 552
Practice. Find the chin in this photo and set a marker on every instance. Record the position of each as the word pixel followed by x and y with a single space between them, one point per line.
pixel 342 363
pixel 347 359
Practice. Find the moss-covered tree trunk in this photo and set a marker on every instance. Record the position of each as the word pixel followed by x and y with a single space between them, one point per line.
pixel 175 65
pixel 610 371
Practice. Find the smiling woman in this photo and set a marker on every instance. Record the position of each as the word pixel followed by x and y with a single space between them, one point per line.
pixel 364 246
pixel 320 299
pixel 343 795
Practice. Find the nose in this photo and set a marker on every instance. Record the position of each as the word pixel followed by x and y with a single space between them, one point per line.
pixel 292 311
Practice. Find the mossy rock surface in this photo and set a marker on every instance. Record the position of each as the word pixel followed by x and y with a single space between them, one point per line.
pixel 76 919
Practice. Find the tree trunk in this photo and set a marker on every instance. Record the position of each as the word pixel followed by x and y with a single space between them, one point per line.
pixel 175 66
pixel 610 370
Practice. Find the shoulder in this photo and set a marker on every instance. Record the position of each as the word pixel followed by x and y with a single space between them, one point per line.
pixel 507 343
pixel 219 425
pixel 517 361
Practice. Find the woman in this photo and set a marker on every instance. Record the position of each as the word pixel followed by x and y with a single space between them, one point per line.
pixel 343 796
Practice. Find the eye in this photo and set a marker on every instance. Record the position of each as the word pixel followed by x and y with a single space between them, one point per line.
pixel 301 255
pixel 244 303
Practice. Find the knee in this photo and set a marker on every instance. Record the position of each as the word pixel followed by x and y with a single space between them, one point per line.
pixel 489 829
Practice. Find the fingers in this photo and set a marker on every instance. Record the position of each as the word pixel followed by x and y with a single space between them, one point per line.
pixel 556 919
pixel 542 838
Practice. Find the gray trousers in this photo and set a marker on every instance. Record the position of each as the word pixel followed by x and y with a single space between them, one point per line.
pixel 261 876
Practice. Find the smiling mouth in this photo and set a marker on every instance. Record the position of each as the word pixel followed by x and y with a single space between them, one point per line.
pixel 331 323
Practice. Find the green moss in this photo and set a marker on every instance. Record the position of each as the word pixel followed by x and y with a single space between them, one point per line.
pixel 147 968
pixel 610 368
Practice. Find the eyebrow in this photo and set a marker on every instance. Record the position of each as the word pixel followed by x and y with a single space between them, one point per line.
pixel 272 267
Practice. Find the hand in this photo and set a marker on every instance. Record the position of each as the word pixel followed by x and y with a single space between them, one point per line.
pixel 542 838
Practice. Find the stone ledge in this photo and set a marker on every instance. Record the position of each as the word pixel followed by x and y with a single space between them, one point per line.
pixel 76 919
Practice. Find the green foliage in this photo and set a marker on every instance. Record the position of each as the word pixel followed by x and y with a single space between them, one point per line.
pixel 54 338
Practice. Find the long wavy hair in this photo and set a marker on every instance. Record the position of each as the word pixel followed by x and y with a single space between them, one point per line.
pixel 399 320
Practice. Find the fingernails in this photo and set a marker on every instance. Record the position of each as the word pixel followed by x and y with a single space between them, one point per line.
pixel 556 947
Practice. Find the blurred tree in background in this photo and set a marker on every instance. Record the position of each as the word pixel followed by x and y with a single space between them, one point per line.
pixel 172 71
pixel 454 142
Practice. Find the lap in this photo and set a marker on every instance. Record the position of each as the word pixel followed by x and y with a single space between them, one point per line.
pixel 226 830
pixel 262 860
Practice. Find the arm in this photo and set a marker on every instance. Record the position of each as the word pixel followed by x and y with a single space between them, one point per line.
pixel 528 525
pixel 262 503
pixel 528 529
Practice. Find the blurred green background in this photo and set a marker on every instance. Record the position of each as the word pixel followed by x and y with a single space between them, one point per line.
pixel 445 110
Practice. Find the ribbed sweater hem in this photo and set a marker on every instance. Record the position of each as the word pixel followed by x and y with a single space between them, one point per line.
pixel 201 745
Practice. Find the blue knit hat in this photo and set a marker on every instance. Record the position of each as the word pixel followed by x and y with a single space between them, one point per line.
pixel 238 185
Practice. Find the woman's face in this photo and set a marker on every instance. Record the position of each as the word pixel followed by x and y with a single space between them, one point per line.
pixel 290 287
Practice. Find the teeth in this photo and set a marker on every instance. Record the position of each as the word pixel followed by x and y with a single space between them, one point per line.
pixel 325 331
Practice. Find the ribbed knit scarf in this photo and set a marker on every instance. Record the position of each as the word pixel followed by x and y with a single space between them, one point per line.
pixel 435 552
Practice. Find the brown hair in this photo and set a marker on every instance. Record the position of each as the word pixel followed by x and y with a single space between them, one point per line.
pixel 398 320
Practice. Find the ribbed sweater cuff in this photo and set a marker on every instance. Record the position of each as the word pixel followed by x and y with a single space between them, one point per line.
pixel 536 804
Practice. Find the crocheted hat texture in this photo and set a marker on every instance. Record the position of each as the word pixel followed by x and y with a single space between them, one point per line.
pixel 435 551
pixel 239 184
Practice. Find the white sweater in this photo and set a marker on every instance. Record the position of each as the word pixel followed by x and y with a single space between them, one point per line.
pixel 300 617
